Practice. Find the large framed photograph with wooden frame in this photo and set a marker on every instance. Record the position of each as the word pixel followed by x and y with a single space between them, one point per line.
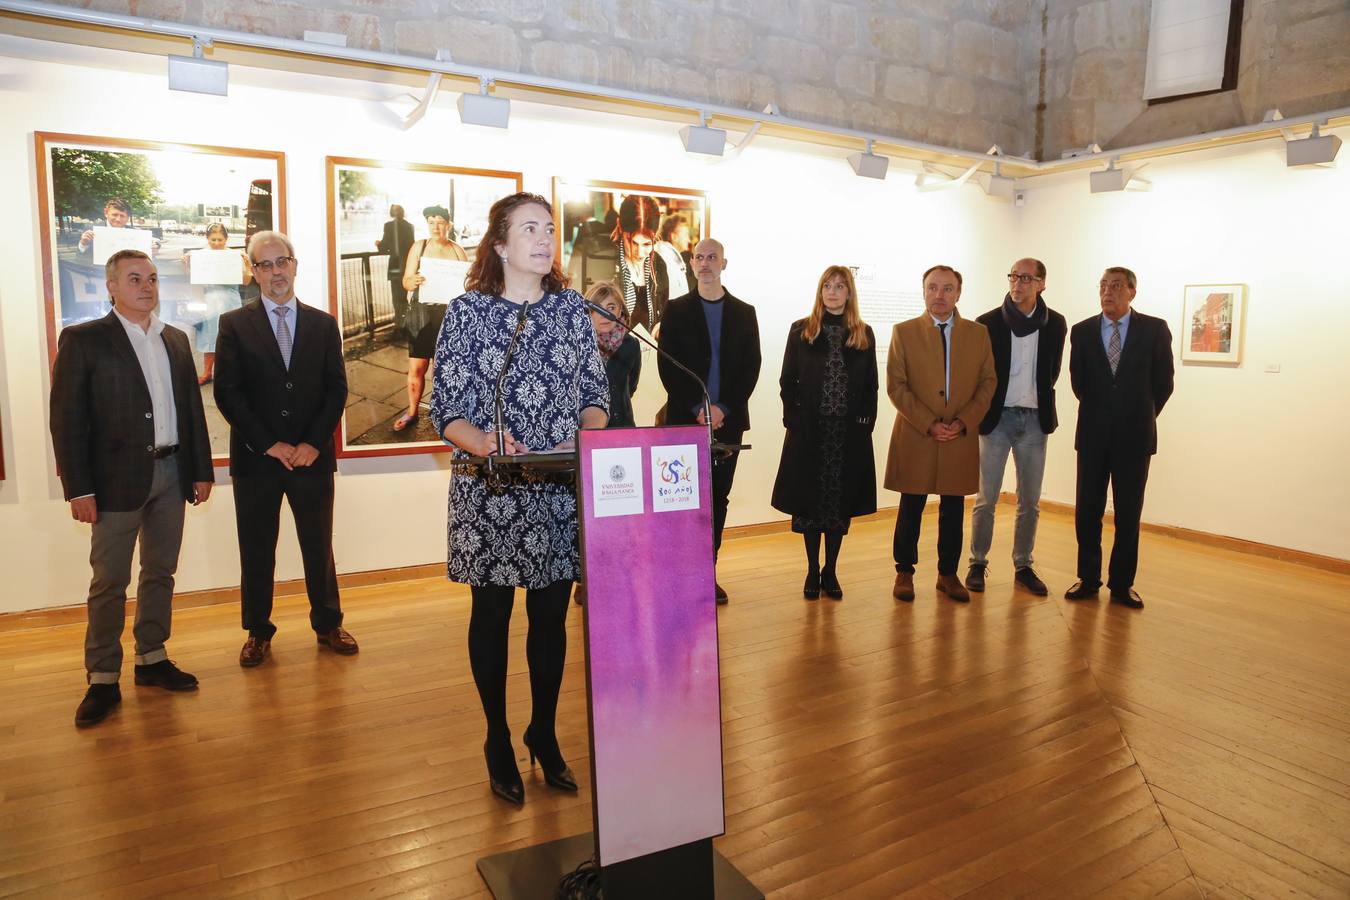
pixel 639 236
pixel 1212 323
pixel 401 238
pixel 177 202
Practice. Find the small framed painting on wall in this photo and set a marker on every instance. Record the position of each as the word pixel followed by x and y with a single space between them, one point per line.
pixel 1212 323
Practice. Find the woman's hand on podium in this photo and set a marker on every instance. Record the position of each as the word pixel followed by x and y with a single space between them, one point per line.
pixel 476 442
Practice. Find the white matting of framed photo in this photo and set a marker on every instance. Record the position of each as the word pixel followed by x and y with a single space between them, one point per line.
pixel 1212 321
pixel 388 332
pixel 99 194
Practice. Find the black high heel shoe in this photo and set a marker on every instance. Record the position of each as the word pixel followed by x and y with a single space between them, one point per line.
pixel 829 582
pixel 811 590
pixel 505 784
pixel 556 772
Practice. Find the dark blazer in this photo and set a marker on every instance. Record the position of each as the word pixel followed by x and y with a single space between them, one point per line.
pixel 264 402
pixel 796 489
pixel 623 369
pixel 1120 412
pixel 387 245
pixel 1049 356
pixel 103 428
pixel 684 335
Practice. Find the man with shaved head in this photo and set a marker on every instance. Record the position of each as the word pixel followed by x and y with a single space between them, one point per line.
pixel 1027 338
pixel 717 336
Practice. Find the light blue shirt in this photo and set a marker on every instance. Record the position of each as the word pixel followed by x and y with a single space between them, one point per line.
pixel 947 338
pixel 273 318
pixel 1106 331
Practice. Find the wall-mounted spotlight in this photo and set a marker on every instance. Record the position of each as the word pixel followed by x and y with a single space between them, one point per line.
pixel 483 109
pixel 1115 179
pixel 1315 150
pixel 701 138
pixel 1000 185
pixel 867 164
pixel 197 74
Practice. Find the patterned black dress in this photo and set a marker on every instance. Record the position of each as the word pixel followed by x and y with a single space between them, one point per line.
pixel 522 535
pixel 832 424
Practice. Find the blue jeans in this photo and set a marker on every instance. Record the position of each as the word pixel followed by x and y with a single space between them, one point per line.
pixel 1018 430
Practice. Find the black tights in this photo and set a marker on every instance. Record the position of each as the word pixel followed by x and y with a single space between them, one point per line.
pixel 545 651
pixel 833 541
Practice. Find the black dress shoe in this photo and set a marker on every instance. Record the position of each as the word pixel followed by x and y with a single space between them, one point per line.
pixel 975 577
pixel 556 772
pixel 1081 591
pixel 829 583
pixel 166 675
pixel 1127 597
pixel 1026 577
pixel 98 701
pixel 503 776
pixel 811 589
pixel 720 593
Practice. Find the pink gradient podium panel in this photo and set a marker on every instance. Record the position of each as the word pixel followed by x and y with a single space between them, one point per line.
pixel 651 638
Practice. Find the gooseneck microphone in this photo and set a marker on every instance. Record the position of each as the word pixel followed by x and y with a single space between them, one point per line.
pixel 707 401
pixel 501 379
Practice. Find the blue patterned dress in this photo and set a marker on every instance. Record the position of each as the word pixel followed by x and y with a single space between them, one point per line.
pixel 521 534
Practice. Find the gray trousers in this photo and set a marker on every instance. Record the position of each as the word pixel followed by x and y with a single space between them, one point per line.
pixel 159 525
pixel 1019 432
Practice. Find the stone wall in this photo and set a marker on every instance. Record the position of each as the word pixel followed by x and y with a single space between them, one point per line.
pixel 1034 76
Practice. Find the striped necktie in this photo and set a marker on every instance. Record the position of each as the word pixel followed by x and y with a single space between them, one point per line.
pixel 1113 347
pixel 284 335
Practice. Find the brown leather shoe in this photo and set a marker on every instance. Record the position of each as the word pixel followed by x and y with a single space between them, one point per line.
pixel 255 649
pixel 953 588
pixel 340 641
pixel 904 587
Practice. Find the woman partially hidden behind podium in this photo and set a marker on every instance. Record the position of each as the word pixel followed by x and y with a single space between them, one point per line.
pixel 516 533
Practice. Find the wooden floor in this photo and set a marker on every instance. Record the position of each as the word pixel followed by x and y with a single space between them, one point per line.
pixel 1015 747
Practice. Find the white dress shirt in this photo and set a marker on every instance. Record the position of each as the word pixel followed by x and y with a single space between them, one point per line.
pixel 154 359
pixel 1022 371
pixel 946 334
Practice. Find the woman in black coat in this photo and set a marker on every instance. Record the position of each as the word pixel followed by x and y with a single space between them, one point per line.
pixel 829 388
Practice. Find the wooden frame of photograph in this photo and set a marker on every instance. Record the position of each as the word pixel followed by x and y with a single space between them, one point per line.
pixel 174 192
pixel 586 213
pixel 1213 320
pixel 374 311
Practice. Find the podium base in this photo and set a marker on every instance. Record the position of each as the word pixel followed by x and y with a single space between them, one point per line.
pixel 532 873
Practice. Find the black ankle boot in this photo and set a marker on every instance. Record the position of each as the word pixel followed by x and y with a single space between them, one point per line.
pixel 811 590
pixel 830 584
pixel 556 772
pixel 503 775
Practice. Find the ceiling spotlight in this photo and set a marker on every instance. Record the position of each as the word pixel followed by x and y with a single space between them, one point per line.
pixel 868 164
pixel 1115 179
pixel 1315 150
pixel 1000 185
pixel 197 74
pixel 701 138
pixel 483 109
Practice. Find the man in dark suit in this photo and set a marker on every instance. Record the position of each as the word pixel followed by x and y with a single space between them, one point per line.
pixel 281 384
pixel 131 446
pixel 398 237
pixel 1120 366
pixel 717 336
pixel 1027 338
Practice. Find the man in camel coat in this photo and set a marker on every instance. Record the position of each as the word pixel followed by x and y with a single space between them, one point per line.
pixel 940 376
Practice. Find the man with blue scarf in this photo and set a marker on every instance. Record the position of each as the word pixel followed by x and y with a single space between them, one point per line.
pixel 1027 338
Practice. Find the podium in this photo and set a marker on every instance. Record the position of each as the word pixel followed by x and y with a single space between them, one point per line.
pixel 644 507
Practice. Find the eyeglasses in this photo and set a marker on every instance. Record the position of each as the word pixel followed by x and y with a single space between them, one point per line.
pixel 1022 277
pixel 281 262
pixel 1112 285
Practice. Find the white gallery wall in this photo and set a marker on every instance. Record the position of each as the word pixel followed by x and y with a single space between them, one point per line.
pixel 1242 453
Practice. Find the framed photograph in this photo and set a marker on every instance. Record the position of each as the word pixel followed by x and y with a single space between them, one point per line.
pixel 1212 323
pixel 401 238
pixel 177 202
pixel 638 236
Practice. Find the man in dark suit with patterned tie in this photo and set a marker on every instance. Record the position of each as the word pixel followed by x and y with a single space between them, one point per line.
pixel 281 384
pixel 131 446
pixel 1120 366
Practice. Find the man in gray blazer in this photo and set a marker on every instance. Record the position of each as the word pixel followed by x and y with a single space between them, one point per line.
pixel 131 445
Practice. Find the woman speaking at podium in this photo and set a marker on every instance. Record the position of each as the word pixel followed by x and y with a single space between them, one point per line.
pixel 517 533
